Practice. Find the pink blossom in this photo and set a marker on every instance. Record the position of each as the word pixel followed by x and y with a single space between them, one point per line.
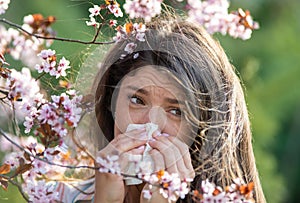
pixel 145 9
pixel 129 48
pixel 94 11
pixel 112 23
pixel 28 123
pixel 147 194
pixel 214 16
pixel 29 176
pixel 49 64
pixel 140 36
pixel 109 164
pixel 139 27
pixel 47 114
pixel 63 65
pixel 12 159
pixel 92 22
pixel 28 19
pixel 115 9
pixel 39 167
pixel 207 187
pixel 46 54
pixel 119 37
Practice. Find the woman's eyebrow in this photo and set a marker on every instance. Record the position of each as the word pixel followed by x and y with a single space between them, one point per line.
pixel 173 101
pixel 139 90
pixel 145 92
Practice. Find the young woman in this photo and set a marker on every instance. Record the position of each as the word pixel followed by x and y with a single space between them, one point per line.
pixel 180 79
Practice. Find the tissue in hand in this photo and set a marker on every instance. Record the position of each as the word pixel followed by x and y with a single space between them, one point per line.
pixel 146 158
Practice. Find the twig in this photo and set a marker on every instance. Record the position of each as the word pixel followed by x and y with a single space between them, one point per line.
pixel 17 185
pixel 93 41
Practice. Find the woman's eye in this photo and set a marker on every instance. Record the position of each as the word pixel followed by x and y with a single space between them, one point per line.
pixel 176 112
pixel 136 100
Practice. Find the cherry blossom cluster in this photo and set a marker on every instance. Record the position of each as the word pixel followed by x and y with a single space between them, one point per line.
pixel 214 16
pixel 18 46
pixel 21 90
pixel 95 13
pixel 50 65
pixel 32 169
pixel 170 185
pixel 130 32
pixel 38 24
pixel 4 6
pixel 51 119
pixel 24 47
pixel 31 164
pixel 22 87
pixel 41 191
pixel 109 164
pixel 146 9
pixel 235 193
pixel 38 165
pixel 62 112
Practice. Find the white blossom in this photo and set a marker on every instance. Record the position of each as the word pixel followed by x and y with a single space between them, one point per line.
pixel 3 6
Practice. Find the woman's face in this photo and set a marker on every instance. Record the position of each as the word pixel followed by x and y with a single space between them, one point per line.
pixel 151 95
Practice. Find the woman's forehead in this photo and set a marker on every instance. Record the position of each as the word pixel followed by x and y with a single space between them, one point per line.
pixel 149 77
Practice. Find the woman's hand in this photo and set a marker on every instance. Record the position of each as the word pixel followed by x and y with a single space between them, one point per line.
pixel 110 187
pixel 172 155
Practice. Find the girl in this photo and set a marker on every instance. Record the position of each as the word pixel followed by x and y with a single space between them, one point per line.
pixel 180 79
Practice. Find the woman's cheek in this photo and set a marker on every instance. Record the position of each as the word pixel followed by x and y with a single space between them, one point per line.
pixel 171 128
pixel 121 119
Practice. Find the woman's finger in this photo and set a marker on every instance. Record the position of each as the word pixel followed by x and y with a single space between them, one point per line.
pixel 128 144
pixel 185 164
pixel 158 160
pixel 184 151
pixel 179 158
pixel 168 154
pixel 128 141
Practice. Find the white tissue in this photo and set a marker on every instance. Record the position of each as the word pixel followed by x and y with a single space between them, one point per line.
pixel 145 158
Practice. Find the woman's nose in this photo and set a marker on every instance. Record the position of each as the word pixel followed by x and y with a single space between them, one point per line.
pixel 158 116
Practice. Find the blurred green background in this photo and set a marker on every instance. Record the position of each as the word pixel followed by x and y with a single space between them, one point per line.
pixel 269 67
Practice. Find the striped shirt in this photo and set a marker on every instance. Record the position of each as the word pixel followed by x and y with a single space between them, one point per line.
pixel 76 192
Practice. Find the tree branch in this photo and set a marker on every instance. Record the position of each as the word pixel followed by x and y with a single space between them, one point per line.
pixel 93 41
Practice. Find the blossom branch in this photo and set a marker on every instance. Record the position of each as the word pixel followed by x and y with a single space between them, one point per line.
pixel 41 159
pixel 99 28
pixel 93 41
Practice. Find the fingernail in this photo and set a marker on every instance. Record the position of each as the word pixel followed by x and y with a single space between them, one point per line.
pixel 165 134
pixel 156 133
pixel 141 147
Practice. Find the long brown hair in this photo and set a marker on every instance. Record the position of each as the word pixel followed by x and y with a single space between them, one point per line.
pixel 222 149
